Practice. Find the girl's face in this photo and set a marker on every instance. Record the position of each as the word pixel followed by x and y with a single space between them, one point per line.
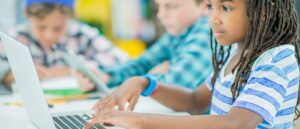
pixel 177 15
pixel 229 21
pixel 50 29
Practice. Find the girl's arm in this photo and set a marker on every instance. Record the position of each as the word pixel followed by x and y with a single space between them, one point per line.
pixel 237 118
pixel 181 99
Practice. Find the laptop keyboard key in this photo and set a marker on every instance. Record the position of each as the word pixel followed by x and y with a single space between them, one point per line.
pixel 60 123
pixel 74 122
pixel 57 126
pixel 80 125
pixel 86 117
pixel 67 122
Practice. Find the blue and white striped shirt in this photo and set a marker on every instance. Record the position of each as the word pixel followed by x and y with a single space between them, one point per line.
pixel 271 90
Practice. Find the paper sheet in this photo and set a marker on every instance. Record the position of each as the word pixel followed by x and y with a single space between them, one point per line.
pixel 60 83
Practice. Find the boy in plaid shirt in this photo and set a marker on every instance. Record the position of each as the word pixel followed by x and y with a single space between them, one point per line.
pixel 51 30
pixel 185 47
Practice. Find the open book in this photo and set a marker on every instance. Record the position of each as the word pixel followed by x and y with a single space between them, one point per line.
pixel 64 86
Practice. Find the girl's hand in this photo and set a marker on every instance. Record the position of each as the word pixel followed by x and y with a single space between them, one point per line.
pixel 128 120
pixel 128 92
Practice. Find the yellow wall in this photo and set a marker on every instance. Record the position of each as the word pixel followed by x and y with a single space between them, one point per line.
pixel 99 11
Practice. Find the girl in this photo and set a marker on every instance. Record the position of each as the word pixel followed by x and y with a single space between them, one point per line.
pixel 51 29
pixel 254 87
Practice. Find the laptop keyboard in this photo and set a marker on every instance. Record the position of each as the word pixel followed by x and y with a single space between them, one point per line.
pixel 73 122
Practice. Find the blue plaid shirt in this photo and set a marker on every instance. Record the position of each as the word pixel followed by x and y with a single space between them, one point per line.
pixel 189 55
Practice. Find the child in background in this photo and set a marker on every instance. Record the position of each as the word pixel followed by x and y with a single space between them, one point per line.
pixel 52 29
pixel 256 86
pixel 184 48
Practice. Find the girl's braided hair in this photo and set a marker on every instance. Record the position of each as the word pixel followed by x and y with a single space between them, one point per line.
pixel 271 23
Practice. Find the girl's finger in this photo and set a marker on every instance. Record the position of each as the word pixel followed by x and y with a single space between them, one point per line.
pixel 92 122
pixel 108 104
pixel 132 103
pixel 121 103
pixel 99 105
pixel 105 113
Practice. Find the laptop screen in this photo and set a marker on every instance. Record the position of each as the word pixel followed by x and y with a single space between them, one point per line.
pixel 27 82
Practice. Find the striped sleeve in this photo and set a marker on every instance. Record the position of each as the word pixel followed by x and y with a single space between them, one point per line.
pixel 266 88
pixel 208 82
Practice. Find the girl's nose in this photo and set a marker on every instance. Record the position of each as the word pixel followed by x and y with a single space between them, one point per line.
pixel 217 22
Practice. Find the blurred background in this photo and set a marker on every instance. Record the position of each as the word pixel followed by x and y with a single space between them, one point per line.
pixel 130 24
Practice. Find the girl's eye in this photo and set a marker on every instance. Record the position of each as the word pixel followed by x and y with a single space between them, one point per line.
pixel 209 6
pixel 227 9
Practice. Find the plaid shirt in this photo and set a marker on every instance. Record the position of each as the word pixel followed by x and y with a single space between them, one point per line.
pixel 80 39
pixel 189 55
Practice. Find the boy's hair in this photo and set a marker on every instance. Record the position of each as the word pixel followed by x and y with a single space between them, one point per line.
pixel 43 9
pixel 271 23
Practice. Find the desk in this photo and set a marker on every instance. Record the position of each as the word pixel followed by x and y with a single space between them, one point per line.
pixel 14 117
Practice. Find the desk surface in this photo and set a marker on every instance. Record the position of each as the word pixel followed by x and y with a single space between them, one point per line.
pixel 15 117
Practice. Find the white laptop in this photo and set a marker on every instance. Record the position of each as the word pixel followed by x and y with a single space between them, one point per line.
pixel 28 84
